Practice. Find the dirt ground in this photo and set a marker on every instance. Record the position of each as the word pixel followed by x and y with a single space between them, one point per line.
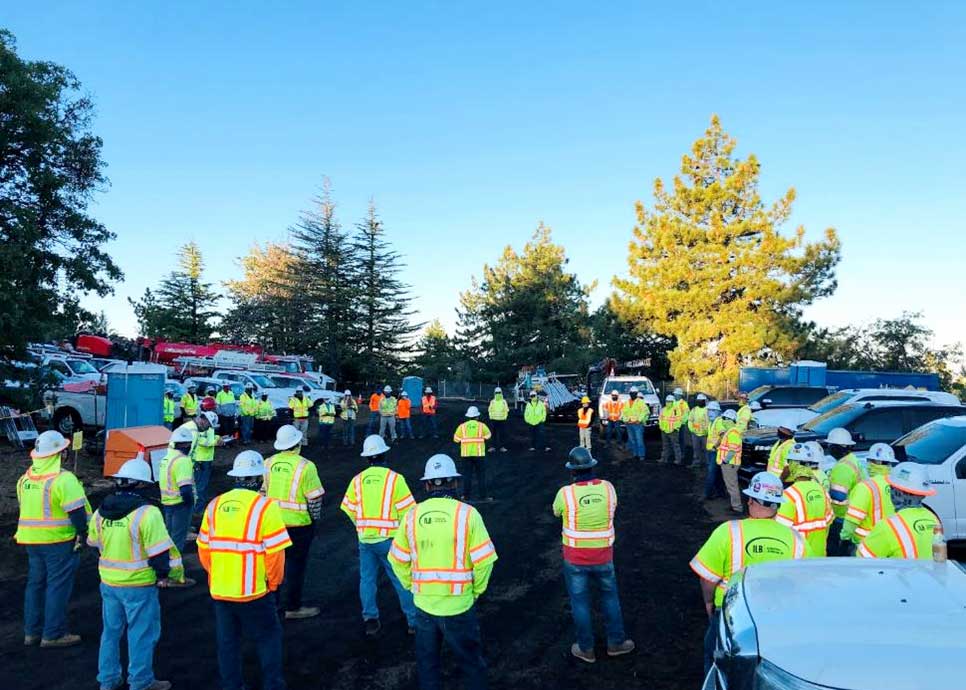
pixel 525 617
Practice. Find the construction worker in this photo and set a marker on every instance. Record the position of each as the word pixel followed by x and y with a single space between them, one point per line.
pixel 818 453
pixel 870 501
pixel 264 414
pixel 585 418
pixel 242 545
pixel 208 402
pixel 744 413
pixel 908 533
pixel 293 483
pixel 613 409
pixel 227 409
pixel 52 525
pixel 727 549
pixel 443 554
pixel 713 482
pixel 429 406
pixel 498 412
pixel 168 408
pixel 634 415
pixel 698 424
pixel 807 508
pixel 843 477
pixel 300 406
pixel 387 414
pixel 669 423
pixel 778 455
pixel 374 401
pixel 472 436
pixel 376 501
pixel 404 414
pixel 189 403
pixel 729 457
pixel 348 414
pixel 247 410
pixel 326 411
pixel 137 557
pixel 535 415
pixel 176 483
pixel 206 441
pixel 684 411
pixel 586 507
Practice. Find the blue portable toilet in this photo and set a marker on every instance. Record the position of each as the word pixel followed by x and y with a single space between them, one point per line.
pixel 413 385
pixel 808 373
pixel 134 395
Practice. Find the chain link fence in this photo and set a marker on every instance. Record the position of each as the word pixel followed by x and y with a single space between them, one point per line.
pixel 465 390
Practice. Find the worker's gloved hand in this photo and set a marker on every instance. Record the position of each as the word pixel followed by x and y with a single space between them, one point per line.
pixel 848 532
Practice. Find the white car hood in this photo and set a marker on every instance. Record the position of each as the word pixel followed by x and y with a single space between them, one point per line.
pixel 792 417
pixel 857 624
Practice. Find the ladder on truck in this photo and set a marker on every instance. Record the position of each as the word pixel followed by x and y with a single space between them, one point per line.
pixel 227 359
pixel 19 428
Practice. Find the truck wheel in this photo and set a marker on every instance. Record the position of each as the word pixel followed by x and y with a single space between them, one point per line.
pixel 67 421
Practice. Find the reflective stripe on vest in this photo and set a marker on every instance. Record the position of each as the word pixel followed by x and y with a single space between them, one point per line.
pixel 458 576
pixel 47 520
pixel 905 537
pixel 248 548
pixel 878 508
pixel 139 560
pixel 584 417
pixel 572 535
pixel 384 523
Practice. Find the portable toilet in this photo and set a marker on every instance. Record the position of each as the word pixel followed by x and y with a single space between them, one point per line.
pixel 809 373
pixel 413 385
pixel 134 395
pixel 121 445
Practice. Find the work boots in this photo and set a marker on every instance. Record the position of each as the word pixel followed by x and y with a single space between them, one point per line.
pixel 587 656
pixel 373 626
pixel 68 640
pixel 625 647
pixel 302 612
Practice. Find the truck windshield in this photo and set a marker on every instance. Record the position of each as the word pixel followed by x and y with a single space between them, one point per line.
pixel 836 417
pixel 291 367
pixel 262 381
pixel 931 444
pixel 829 402
pixel 643 386
pixel 80 366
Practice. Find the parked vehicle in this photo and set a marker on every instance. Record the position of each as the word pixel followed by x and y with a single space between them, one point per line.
pixel 75 411
pixel 794 417
pixel 71 368
pixel 276 396
pixel 102 363
pixel 623 385
pixel 870 422
pixel 317 391
pixel 779 397
pixel 906 634
pixel 816 374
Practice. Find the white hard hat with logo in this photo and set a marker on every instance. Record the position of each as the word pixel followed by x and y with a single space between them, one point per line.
pixel 183 434
pixel 817 451
pixel 911 478
pixel 714 405
pixel 839 437
pixel 440 466
pixel 702 396
pixel 136 470
pixel 882 453
pixel 49 443
pixel 754 406
pixel 802 454
pixel 287 437
pixel 766 488
pixel 669 398
pixel 347 392
pixel 373 445
pixel 730 414
pixel 248 463
pixel 212 419
pixel 472 412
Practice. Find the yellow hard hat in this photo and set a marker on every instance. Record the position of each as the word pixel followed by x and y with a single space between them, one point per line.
pixel 585 399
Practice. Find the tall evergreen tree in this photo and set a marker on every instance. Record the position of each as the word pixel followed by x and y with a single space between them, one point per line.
pixel 436 356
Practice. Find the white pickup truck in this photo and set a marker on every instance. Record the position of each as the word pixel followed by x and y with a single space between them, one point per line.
pixel 623 385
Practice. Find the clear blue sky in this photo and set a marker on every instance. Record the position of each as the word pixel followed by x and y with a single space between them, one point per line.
pixel 470 125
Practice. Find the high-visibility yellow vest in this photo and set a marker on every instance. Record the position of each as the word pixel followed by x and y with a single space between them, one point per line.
pixel 127 544
pixel 265 410
pixel 205 442
pixel 189 404
pixel 698 421
pixel 808 510
pixel 585 417
pixel 174 471
pixel 717 428
pixel 350 408
pixel 739 543
pixel 292 481
pixel 326 413
pixel 535 413
pixel 684 410
pixel 730 441
pixel 869 503
pixel 387 406
pixel 375 501
pixel 46 494
pixel 247 405
pixel 499 410
pixel 635 412
pixel 907 534
pixel 169 409
pixel 300 408
pixel 587 511
pixel 238 529
pixel 778 456
pixel 667 420
pixel 744 417
pixel 472 436
pixel 443 553
pixel 842 478
pixel 225 398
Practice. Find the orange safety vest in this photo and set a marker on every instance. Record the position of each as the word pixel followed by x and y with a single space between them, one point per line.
pixel 429 404
pixel 613 408
pixel 584 417
pixel 403 408
pixel 374 401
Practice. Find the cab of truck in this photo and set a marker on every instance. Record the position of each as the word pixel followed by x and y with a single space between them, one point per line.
pixel 623 385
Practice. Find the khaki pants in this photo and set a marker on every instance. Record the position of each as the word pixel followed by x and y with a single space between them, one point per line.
pixel 303 426
pixel 390 423
pixel 730 475
pixel 670 444
pixel 585 438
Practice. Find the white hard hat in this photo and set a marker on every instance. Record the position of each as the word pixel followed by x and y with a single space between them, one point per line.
pixel 248 463
pixel 754 405
pixel 911 478
pixel 440 466
pixel 669 398
pixel 136 469
pixel 882 453
pixel 472 412
pixel 287 437
pixel 702 396
pixel 614 392
pixel 497 390
pixel 840 437
pixel 765 487
pixel 714 405
pixel 818 453
pixel 183 434
pixel 404 394
pixel 429 389
pixel 730 414
pixel 49 443
pixel 633 390
pixel 212 419
pixel 803 454
pixel 679 391
pixel 347 392
pixel 373 445
pixel 387 389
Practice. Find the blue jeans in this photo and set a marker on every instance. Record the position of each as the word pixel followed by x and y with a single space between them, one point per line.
pixel 406 428
pixel 137 610
pixel 429 423
pixel 246 424
pixel 348 431
pixel 578 579
pixel 612 430
pixel 635 440
pixel 373 424
pixel 462 634
pixel 536 436
pixel 711 640
pixel 325 434
pixel 713 482
pixel 202 477
pixel 50 581
pixel 371 557
pixel 257 620
pixel 177 519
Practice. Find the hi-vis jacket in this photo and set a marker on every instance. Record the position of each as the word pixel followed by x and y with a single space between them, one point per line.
pixel 907 534
pixel 808 511
pixel 292 481
pixel 587 509
pixel 46 494
pixel 127 544
pixel 376 500
pixel 869 503
pixel 472 436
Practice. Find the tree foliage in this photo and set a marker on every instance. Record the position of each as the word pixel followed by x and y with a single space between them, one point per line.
pixel 437 357
pixel 51 249
pixel 613 337
pixel 708 267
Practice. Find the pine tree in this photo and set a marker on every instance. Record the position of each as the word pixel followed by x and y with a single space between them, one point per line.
pixel 708 267
pixel 436 358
